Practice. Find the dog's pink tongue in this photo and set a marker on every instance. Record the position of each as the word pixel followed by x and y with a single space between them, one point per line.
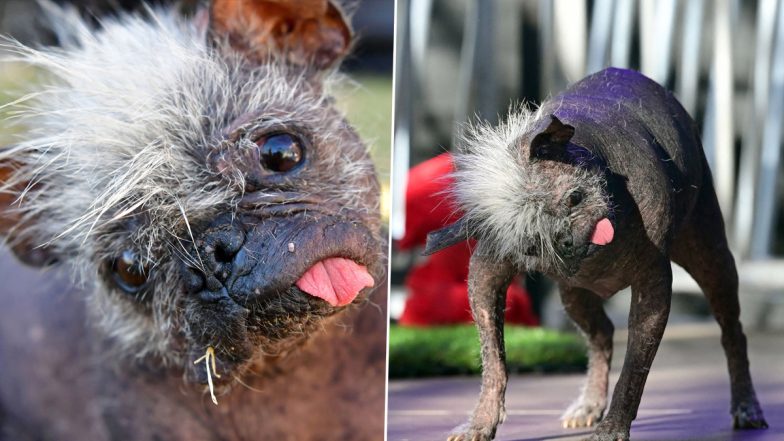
pixel 603 232
pixel 335 280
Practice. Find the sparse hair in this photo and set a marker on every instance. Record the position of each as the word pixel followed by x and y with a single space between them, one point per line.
pixel 509 201
pixel 113 147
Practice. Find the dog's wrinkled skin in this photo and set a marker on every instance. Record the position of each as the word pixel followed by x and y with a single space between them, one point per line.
pixel 145 151
pixel 634 155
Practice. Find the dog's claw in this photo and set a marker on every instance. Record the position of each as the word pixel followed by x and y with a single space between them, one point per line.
pixel 581 414
pixel 748 416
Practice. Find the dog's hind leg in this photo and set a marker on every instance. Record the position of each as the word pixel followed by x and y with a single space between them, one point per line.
pixel 487 283
pixel 701 248
pixel 587 312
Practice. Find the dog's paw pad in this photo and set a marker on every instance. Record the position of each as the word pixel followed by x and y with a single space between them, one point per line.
pixel 748 416
pixel 582 414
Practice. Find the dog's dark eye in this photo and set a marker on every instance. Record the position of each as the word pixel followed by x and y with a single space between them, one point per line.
pixel 280 153
pixel 575 198
pixel 128 273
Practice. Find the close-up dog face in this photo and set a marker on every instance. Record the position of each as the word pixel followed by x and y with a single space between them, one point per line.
pixel 197 177
pixel 539 200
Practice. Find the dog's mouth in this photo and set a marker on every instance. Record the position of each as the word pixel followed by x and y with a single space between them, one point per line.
pixel 335 280
pixel 601 235
pixel 571 249
pixel 267 284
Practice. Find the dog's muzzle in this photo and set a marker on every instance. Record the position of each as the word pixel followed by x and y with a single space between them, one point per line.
pixel 324 256
pixel 251 281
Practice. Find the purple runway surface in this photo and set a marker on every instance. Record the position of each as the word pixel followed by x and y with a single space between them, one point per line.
pixel 686 398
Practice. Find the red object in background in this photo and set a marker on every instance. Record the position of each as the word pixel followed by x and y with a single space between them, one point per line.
pixel 438 292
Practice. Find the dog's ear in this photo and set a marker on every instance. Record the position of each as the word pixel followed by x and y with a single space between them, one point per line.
pixel 12 219
pixel 552 142
pixel 446 237
pixel 306 32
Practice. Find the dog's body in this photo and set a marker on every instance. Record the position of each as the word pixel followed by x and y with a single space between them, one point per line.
pixel 214 224
pixel 599 189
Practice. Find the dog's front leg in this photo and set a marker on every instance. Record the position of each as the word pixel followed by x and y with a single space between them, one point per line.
pixel 587 312
pixel 488 280
pixel 650 309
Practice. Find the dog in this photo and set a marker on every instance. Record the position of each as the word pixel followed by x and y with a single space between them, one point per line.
pixel 211 226
pixel 600 189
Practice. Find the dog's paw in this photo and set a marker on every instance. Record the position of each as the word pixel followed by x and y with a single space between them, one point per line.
pixel 748 415
pixel 472 433
pixel 607 431
pixel 582 414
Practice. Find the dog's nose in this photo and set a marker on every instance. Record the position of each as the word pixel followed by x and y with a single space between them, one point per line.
pixel 219 248
pixel 565 245
pixel 213 261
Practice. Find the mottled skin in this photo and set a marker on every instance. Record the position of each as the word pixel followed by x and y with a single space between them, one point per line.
pixel 663 208
pixel 59 384
pixel 492 278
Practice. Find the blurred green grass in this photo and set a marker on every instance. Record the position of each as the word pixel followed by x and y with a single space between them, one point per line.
pixel 454 350
pixel 368 106
pixel 15 81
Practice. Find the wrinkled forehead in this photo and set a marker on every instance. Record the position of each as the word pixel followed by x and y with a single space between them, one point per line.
pixel 233 96
pixel 544 183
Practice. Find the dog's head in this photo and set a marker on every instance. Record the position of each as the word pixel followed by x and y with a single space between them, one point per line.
pixel 530 195
pixel 197 176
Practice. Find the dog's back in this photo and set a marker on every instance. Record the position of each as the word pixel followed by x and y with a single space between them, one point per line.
pixel 642 133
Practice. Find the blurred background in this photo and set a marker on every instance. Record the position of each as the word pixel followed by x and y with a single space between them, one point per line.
pixel 366 98
pixel 464 59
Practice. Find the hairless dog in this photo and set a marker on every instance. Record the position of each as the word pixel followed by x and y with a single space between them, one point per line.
pixel 600 189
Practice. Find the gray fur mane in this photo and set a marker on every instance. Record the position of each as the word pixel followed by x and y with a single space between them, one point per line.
pixel 507 200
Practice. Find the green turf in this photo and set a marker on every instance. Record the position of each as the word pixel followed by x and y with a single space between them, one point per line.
pixel 367 101
pixel 454 350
